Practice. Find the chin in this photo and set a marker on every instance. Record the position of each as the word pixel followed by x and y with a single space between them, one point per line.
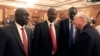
pixel 25 23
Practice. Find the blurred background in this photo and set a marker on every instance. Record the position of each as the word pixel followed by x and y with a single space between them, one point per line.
pixel 38 9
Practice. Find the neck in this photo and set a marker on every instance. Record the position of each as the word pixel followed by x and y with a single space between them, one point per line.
pixel 50 21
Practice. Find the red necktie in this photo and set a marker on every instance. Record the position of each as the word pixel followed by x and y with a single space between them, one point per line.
pixel 25 42
pixel 54 44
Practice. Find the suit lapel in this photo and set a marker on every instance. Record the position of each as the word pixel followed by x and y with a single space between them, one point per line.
pixel 46 27
pixel 66 25
pixel 56 30
pixel 77 35
pixel 16 35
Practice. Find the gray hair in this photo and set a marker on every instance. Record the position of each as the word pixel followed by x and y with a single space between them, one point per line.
pixel 84 16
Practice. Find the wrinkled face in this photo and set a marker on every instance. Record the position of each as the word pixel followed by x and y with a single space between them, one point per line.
pixel 52 15
pixel 21 16
pixel 77 22
pixel 72 13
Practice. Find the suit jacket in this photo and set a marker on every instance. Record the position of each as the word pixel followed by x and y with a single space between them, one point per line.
pixel 10 42
pixel 88 43
pixel 64 49
pixel 42 38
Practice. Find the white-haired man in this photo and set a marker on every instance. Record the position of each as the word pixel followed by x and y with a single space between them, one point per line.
pixel 88 42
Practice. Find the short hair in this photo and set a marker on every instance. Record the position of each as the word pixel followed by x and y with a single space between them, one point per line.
pixel 50 9
pixel 18 11
pixel 72 9
pixel 84 16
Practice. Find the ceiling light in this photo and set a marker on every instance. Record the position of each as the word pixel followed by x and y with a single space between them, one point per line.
pixel 31 2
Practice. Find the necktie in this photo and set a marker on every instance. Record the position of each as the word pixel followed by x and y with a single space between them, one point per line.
pixel 70 42
pixel 25 42
pixel 54 44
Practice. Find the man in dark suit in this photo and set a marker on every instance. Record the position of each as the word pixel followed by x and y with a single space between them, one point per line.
pixel 45 41
pixel 88 42
pixel 63 42
pixel 15 39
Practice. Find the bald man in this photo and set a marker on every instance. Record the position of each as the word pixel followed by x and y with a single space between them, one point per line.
pixel 15 39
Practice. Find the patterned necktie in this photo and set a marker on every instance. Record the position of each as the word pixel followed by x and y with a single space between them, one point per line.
pixel 54 44
pixel 70 42
pixel 25 42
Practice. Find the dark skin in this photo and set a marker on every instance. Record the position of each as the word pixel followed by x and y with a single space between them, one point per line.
pixel 52 14
pixel 21 16
pixel 72 12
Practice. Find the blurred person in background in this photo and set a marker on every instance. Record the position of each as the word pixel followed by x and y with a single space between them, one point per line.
pixel 6 21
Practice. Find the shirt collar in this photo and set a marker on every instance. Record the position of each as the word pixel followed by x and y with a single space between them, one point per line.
pixel 49 22
pixel 18 25
pixel 70 20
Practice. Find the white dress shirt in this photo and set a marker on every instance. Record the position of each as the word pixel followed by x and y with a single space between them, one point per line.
pixel 20 31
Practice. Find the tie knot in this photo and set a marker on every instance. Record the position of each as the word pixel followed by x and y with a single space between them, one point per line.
pixel 22 28
pixel 50 24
